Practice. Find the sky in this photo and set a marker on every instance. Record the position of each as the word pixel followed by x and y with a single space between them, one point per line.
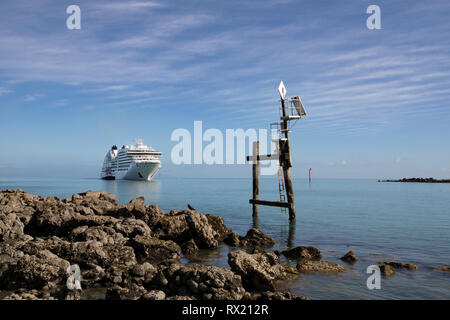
pixel 377 100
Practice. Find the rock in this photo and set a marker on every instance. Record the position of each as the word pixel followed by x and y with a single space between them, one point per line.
pixel 137 207
pixel 134 292
pixel 256 237
pixel 308 266
pixel 105 235
pixel 132 251
pixel 11 227
pixel 386 269
pixel 35 272
pixel 218 224
pixel 232 239
pixel 202 232
pixel 259 271
pixel 399 265
pixel 204 282
pixel 94 252
pixel 180 298
pixel 278 295
pixel 52 219
pixel 134 209
pixel 100 202
pixel 171 226
pixel 299 253
pixel 445 269
pixel 155 250
pixel 181 226
pixel 131 227
pixel 189 248
pixel 253 238
pixel 349 257
pixel 92 276
pixel 154 295
pixel 74 295
pixel 29 295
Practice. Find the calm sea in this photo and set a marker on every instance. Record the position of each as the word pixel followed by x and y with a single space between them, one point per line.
pixel 378 221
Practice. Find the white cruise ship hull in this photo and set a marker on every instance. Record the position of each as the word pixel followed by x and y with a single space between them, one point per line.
pixel 140 171
pixel 144 171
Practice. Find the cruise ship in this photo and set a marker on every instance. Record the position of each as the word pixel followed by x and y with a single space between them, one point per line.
pixel 135 162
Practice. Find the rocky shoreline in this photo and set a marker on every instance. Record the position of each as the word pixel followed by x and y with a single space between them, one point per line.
pixel 131 251
pixel 419 180
pixel 134 251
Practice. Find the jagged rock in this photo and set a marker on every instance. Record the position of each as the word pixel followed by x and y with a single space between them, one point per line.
pixel 41 237
pixel 10 227
pixel 35 272
pixel 386 269
pixel 134 292
pixel 34 294
pixel 92 275
pixel 10 252
pixel 399 265
pixel 152 213
pixel 105 235
pixel 203 282
pixel 279 295
pixel 301 252
pixel 155 250
pixel 349 257
pixel 189 248
pixel 256 237
pixel 259 271
pixel 171 226
pixel 232 239
pixel 202 232
pixel 54 244
pixel 134 209
pixel 131 227
pixel 137 207
pixel 253 238
pixel 100 202
pixel 154 295
pixel 94 252
pixel 218 224
pixel 180 298
pixel 181 226
pixel 445 269
pixel 74 295
pixel 308 266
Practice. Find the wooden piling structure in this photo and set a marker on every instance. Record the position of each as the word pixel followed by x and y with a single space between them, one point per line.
pixel 283 156
pixel 256 178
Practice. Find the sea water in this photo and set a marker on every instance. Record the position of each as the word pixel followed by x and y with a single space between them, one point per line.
pixel 407 222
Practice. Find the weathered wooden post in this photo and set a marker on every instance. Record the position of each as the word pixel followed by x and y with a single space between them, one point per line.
pixel 255 177
pixel 285 161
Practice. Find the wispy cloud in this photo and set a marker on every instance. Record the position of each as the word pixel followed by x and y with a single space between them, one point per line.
pixel 32 97
pixel 131 5
pixel 4 91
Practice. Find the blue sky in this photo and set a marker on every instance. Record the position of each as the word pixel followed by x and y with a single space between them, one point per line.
pixel 377 100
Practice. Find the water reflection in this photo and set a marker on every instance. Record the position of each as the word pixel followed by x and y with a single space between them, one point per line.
pixel 126 189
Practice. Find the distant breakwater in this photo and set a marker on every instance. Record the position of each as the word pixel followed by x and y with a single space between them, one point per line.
pixel 419 180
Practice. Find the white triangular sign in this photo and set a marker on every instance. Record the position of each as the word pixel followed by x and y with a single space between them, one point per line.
pixel 282 90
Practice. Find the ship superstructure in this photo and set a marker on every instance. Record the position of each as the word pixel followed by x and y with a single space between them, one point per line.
pixel 135 162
